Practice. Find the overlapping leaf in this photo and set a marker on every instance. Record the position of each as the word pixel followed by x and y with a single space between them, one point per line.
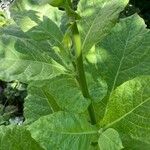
pixel 60 93
pixel 63 131
pixel 17 138
pixel 122 55
pixel 128 109
pixel 43 28
pixel 98 17
pixel 41 10
pixel 38 29
pixel 63 91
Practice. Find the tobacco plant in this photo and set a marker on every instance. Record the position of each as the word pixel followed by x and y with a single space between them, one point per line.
pixel 87 73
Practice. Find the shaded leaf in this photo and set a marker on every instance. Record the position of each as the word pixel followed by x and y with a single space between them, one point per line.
pixel 26 60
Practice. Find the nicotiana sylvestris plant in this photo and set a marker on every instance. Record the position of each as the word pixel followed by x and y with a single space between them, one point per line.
pixel 88 76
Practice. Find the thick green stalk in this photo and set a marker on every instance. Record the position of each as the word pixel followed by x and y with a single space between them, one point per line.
pixel 80 70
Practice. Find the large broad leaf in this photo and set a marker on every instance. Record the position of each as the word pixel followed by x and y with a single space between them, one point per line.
pixel 110 140
pixel 60 93
pixel 122 55
pixel 98 17
pixel 24 59
pixel 17 138
pixel 125 53
pixel 128 109
pixel 63 131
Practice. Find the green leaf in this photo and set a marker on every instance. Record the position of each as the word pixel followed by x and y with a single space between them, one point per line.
pixel 36 105
pixel 39 2
pixel 38 29
pixel 65 92
pixel 132 144
pixel 128 109
pixel 26 60
pixel 60 93
pixel 41 10
pixel 17 138
pixel 47 30
pixel 125 53
pixel 98 17
pixel 63 131
pixel 110 140
pixel 26 19
pixel 42 29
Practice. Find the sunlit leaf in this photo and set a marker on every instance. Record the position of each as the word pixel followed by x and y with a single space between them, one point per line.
pixel 128 109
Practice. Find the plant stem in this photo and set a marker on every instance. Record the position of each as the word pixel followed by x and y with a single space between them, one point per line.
pixel 80 70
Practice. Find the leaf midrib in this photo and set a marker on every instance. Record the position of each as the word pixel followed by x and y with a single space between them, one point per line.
pixel 120 63
pixel 74 133
pixel 90 30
